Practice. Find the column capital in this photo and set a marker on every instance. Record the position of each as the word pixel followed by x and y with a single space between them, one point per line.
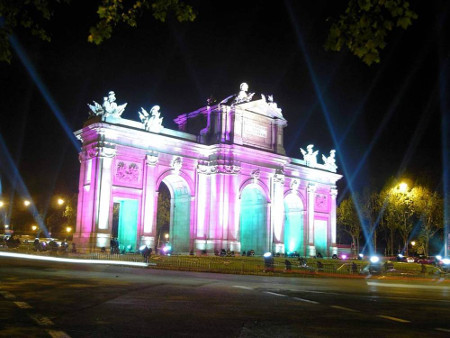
pixel 207 167
pixel 333 192
pixel 151 159
pixel 311 188
pixel 103 150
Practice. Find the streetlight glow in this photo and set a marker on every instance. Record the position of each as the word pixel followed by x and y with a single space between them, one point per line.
pixel 68 229
pixel 403 187
pixel 33 227
pixel 26 203
pixel 2 204
pixel 60 201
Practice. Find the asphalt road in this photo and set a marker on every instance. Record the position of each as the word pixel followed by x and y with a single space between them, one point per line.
pixel 40 299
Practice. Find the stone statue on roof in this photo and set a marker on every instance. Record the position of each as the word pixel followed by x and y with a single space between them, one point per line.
pixel 243 96
pixel 152 121
pixel 310 156
pixel 330 161
pixel 108 108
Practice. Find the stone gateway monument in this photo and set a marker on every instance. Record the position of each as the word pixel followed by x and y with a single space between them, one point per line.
pixel 231 184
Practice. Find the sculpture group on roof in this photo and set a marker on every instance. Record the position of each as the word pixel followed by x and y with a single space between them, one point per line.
pixel 310 158
pixel 152 121
pixel 108 108
pixel 243 96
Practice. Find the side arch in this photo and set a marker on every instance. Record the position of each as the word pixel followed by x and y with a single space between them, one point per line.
pixel 180 210
pixel 294 220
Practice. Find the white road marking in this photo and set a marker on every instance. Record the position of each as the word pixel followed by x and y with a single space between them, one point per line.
pixel 320 292
pixel 23 305
pixel 242 287
pixel 57 334
pixel 343 308
pixel 443 330
pixel 7 295
pixel 306 300
pixel 395 319
pixel 41 320
pixel 275 294
pixel 408 286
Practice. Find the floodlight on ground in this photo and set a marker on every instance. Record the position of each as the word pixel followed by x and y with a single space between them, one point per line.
pixel 374 259
pixel 446 261
pixel 267 254
pixel 439 257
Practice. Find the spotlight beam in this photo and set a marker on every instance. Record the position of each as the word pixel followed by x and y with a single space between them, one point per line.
pixel 13 174
pixel 43 89
pixel 327 117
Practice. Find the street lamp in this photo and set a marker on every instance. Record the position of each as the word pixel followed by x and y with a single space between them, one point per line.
pixel 60 201
pixel 68 229
pixel 403 187
pixel 166 236
pixel 34 227
pixel 26 203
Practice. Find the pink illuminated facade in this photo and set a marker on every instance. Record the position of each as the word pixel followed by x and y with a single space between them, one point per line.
pixel 231 184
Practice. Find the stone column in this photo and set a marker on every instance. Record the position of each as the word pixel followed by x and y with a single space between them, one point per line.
pixel 204 170
pixel 102 188
pixel 277 212
pixel 148 200
pixel 333 194
pixel 311 189
pixel 232 172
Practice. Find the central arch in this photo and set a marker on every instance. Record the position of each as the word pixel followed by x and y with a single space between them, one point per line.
pixel 180 213
pixel 253 220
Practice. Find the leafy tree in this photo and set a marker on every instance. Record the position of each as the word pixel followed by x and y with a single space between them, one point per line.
pixel 33 14
pixel 113 12
pixel 347 219
pixel 27 14
pixel 390 218
pixel 363 27
pixel 370 207
pixel 430 212
pixel 70 212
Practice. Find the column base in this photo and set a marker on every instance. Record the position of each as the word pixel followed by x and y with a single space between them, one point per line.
pixel 311 251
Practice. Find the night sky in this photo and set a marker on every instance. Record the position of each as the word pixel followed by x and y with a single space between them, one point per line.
pixel 386 117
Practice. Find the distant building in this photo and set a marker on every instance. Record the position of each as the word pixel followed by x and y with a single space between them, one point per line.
pixel 231 184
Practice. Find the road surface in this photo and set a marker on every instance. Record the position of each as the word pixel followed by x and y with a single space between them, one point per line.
pixel 44 299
